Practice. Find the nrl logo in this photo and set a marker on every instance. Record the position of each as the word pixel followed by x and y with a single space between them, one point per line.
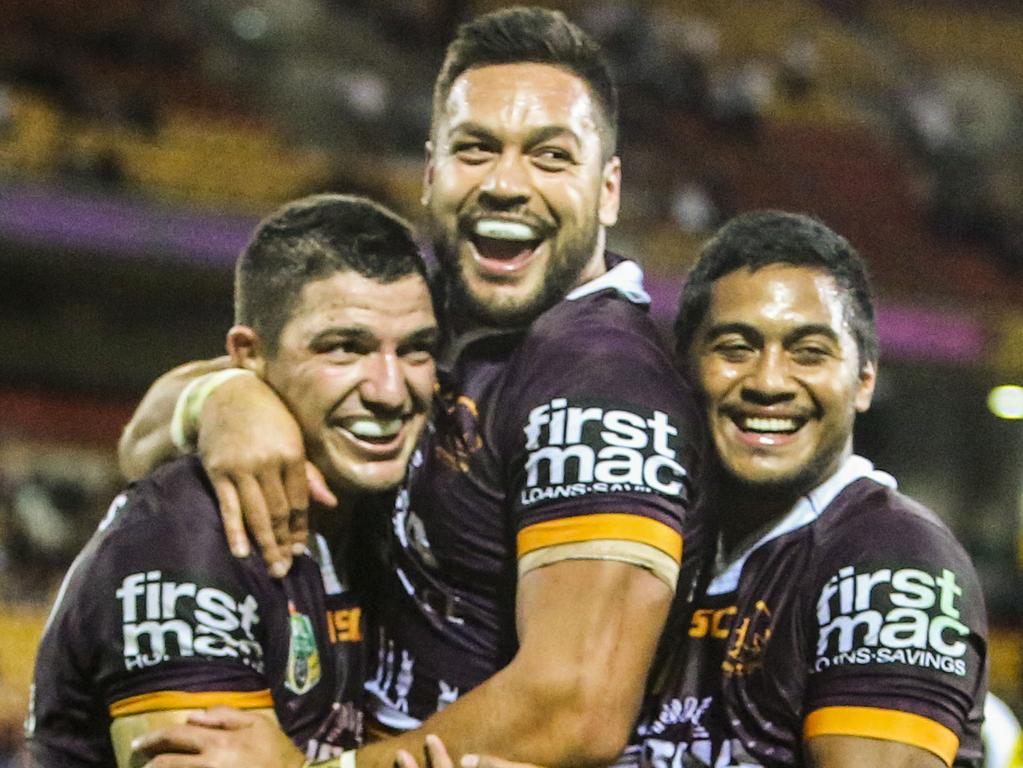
pixel 303 656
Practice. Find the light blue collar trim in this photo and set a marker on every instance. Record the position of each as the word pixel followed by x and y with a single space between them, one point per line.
pixel 805 511
pixel 625 279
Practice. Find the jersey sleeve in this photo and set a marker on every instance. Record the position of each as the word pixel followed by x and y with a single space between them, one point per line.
pixel 899 631
pixel 155 614
pixel 601 434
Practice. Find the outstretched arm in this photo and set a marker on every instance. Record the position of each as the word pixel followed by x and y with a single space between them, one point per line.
pixel 588 631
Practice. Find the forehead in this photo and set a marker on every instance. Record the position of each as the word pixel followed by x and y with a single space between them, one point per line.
pixel 778 296
pixel 521 95
pixel 348 298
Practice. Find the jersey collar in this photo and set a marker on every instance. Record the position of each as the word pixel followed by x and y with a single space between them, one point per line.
pixel 624 278
pixel 805 511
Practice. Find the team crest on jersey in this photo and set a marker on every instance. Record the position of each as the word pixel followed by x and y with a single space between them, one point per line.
pixel 457 425
pixel 579 447
pixel 894 615
pixel 303 656
pixel 748 642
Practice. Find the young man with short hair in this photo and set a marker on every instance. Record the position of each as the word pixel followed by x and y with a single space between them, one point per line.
pixel 840 623
pixel 156 620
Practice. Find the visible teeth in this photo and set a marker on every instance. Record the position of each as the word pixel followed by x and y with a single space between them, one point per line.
pixel 373 428
pixel 498 229
pixel 761 424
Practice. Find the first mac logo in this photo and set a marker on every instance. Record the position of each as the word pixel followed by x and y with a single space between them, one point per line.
pixel 163 619
pixel 575 448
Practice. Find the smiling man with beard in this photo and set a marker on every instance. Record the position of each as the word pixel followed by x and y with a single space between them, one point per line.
pixel 840 624
pixel 537 542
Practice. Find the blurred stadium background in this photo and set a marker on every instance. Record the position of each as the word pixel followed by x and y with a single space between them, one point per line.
pixel 140 140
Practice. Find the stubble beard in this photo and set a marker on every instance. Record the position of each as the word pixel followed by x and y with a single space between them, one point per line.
pixel 567 261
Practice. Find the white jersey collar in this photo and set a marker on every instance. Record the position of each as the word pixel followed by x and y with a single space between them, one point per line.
pixel 805 511
pixel 625 279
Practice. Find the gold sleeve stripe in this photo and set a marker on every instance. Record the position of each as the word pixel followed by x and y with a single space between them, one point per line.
pixel 645 556
pixel 163 700
pixel 888 724
pixel 642 530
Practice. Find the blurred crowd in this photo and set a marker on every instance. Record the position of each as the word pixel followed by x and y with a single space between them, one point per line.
pixel 339 93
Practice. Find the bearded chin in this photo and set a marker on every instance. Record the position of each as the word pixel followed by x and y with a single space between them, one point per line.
pixel 564 267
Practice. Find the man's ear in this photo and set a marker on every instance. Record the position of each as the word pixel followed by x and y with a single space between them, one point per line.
pixel 610 192
pixel 246 349
pixel 424 197
pixel 865 388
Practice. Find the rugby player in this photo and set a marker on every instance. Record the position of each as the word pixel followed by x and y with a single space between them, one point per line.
pixel 538 548
pixel 841 624
pixel 156 618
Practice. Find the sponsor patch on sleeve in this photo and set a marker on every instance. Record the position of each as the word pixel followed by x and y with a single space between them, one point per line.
pixel 163 618
pixel 903 616
pixel 576 447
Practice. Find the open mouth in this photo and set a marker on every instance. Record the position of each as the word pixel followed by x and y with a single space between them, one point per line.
pixel 503 246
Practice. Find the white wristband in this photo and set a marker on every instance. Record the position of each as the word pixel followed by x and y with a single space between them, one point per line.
pixel 184 424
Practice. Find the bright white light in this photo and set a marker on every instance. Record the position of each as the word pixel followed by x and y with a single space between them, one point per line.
pixel 250 23
pixel 1006 402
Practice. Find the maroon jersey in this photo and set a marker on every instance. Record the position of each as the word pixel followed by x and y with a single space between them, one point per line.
pixel 156 614
pixel 857 614
pixel 573 438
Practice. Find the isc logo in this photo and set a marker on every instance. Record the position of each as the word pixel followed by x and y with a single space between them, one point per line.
pixel 577 448
pixel 163 618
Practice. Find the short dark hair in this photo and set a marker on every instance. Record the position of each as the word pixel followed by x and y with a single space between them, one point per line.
pixel 537 35
pixel 760 238
pixel 312 238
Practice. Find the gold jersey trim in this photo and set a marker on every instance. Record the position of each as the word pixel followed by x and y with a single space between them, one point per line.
pixel 887 724
pixel 165 700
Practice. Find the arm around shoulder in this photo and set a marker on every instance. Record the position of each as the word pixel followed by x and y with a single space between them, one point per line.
pixel 588 630
pixel 146 439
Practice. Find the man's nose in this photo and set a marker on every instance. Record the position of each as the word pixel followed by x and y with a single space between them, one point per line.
pixel 383 383
pixel 769 382
pixel 507 182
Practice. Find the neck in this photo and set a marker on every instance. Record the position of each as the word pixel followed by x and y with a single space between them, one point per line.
pixel 748 511
pixel 597 265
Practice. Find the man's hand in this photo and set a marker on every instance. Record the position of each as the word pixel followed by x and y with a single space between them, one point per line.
pixel 436 756
pixel 253 452
pixel 220 737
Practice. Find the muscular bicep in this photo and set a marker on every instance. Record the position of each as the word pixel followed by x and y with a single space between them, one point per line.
pixel 583 618
pixel 124 730
pixel 835 751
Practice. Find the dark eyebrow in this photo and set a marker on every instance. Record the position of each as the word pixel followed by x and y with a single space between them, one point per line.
pixel 814 329
pixel 356 333
pixel 742 329
pixel 428 336
pixel 541 135
pixel 536 136
pixel 751 334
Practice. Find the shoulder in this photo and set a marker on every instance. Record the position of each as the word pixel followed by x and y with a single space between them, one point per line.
pixel 871 518
pixel 582 321
pixel 167 520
